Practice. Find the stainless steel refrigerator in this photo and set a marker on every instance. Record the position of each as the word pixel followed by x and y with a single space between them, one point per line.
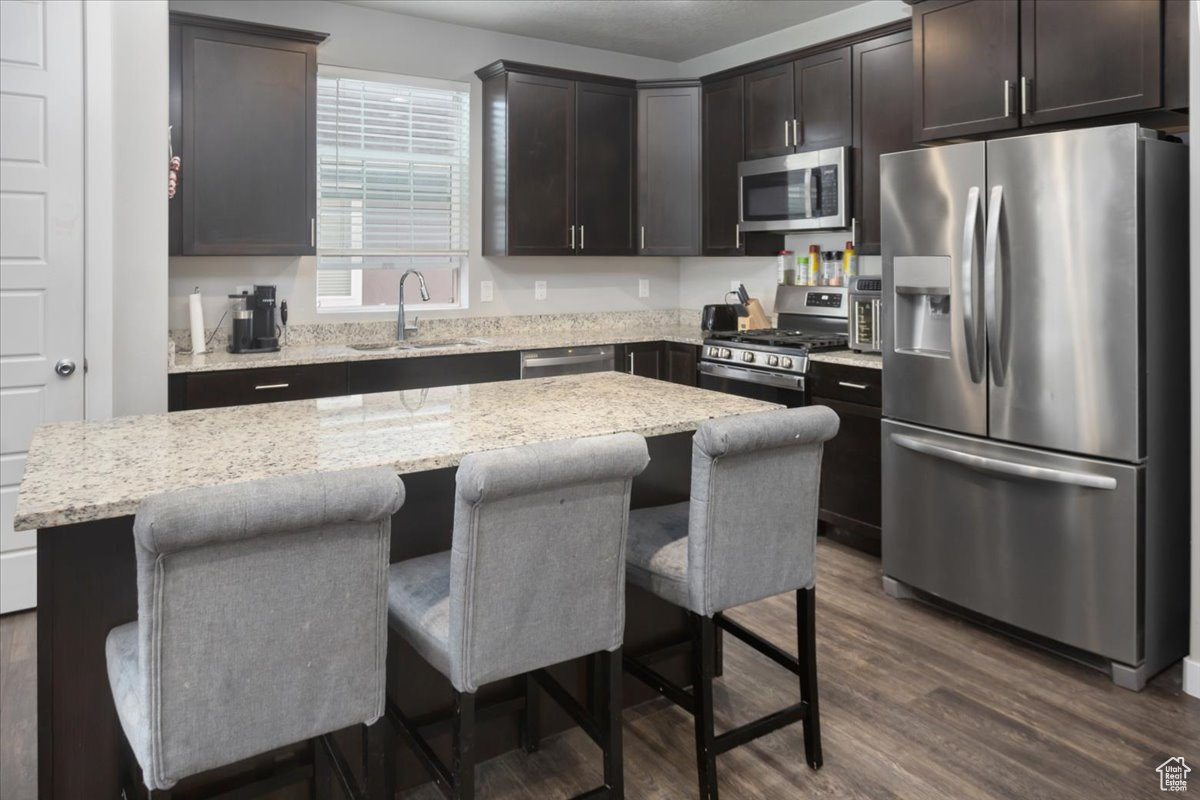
pixel 1035 349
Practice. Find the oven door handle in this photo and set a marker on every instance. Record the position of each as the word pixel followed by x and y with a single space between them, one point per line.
pixel 752 376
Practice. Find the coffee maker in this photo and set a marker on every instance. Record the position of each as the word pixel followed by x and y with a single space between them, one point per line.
pixel 254 329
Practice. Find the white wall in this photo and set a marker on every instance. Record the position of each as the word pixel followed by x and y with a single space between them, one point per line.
pixel 376 40
pixel 139 81
pixel 1191 674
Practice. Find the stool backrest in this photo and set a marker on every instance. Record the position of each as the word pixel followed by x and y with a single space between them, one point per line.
pixel 752 523
pixel 537 569
pixel 262 614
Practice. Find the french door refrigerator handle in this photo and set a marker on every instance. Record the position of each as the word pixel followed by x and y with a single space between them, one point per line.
pixel 1001 467
pixel 991 286
pixel 967 278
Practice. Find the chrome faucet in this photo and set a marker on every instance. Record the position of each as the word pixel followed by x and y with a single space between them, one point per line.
pixel 401 328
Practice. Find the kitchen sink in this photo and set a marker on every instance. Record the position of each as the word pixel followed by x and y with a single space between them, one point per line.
pixel 417 345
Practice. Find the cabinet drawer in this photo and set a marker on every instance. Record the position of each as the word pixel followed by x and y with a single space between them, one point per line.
pixel 841 382
pixel 268 385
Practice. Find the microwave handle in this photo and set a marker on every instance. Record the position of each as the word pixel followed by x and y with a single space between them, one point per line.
pixel 810 187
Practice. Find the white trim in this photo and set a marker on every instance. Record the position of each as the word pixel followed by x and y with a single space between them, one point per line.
pixel 97 204
pixel 1191 675
pixel 334 71
pixel 18 580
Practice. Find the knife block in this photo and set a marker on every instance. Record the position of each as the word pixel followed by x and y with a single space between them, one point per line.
pixel 755 318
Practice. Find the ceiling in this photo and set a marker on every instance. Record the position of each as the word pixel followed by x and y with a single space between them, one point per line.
pixel 673 30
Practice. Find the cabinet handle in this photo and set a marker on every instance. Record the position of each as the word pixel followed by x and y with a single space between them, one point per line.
pixel 262 386
pixel 572 237
pixel 580 237
pixel 312 231
pixel 629 357
pixel 786 133
pixel 1024 95
pixel 1007 97
pixel 850 385
pixel 795 133
pixel 854 231
pixel 737 234
pixel 643 237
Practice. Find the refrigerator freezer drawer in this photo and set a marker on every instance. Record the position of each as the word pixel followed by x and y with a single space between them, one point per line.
pixel 1045 542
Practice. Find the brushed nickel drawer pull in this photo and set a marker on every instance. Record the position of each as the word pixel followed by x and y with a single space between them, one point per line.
pixel 262 386
pixel 850 385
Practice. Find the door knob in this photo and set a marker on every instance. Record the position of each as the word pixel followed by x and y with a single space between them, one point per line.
pixel 65 367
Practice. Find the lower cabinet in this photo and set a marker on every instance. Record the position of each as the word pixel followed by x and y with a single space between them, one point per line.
pixel 241 387
pixel 682 363
pixel 423 372
pixel 851 487
pixel 665 361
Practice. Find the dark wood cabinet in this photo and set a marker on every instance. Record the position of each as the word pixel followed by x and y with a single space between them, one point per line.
pixel 388 375
pixel 965 67
pixel 244 106
pixel 642 358
pixel 722 148
pixel 241 387
pixel 605 136
pixel 1175 54
pixel 822 101
pixel 558 162
pixel 851 466
pixel 1088 58
pixel 682 361
pixel 668 161
pixel 770 109
pixel 882 123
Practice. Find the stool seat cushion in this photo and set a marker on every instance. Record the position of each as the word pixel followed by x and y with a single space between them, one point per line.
pixel 419 606
pixel 125 676
pixel 658 548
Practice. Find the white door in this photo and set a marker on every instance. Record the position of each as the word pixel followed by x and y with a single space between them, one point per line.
pixel 41 250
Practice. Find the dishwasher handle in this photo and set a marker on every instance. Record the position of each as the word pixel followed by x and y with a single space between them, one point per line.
pixel 566 361
pixel 559 361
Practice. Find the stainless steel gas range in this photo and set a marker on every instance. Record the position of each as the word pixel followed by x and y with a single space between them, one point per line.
pixel 772 364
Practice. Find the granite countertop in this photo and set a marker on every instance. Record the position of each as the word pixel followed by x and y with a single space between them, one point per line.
pixel 93 470
pixel 333 353
pixel 849 358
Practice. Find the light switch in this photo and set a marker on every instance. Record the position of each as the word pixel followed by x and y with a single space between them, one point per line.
pixel 539 290
pixel 644 287
pixel 485 291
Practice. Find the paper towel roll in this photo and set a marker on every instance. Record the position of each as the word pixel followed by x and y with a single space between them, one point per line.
pixel 196 316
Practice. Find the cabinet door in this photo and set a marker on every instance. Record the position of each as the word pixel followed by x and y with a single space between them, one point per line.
pixel 851 481
pixel 1087 58
pixel 963 52
pixel 248 179
pixel 722 148
pixel 605 137
pixel 262 385
pixel 642 358
pixel 541 165
pixel 669 171
pixel 822 102
pixel 769 112
pixel 882 123
pixel 681 363
pixel 423 372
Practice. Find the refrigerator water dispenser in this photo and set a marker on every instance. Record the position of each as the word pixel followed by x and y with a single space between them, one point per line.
pixel 922 304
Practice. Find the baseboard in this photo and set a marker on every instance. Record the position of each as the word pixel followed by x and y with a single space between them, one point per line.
pixel 1191 675
pixel 18 580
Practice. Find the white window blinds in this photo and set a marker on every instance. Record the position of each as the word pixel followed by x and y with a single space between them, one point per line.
pixel 393 173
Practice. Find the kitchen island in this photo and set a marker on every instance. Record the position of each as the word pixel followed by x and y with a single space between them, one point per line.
pixel 84 481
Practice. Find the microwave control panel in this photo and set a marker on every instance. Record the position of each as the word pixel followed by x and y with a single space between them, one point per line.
pixel 827 193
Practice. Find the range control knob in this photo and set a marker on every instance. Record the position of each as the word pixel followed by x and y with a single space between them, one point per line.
pixel 785 362
pixel 712 351
pixel 726 352
pixel 747 356
pixel 772 361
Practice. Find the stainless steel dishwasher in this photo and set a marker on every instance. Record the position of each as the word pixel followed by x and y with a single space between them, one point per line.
pixel 567 361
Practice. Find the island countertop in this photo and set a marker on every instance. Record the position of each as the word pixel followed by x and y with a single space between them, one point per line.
pixel 93 470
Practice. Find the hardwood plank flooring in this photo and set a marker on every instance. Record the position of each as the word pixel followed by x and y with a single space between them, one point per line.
pixel 915 703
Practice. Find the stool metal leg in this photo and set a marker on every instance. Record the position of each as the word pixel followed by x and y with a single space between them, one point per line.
pixel 608 668
pixel 531 727
pixel 379 752
pixel 703 657
pixel 463 764
pixel 806 644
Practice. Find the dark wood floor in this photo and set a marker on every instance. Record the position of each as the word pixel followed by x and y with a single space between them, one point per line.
pixel 915 704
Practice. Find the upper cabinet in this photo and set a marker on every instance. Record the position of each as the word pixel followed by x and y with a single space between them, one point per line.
pixel 722 145
pixel 965 62
pixel 798 105
pixel 244 123
pixel 981 66
pixel 882 123
pixel 668 163
pixel 558 162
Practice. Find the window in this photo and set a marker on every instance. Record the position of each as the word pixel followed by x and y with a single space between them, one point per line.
pixel 393 175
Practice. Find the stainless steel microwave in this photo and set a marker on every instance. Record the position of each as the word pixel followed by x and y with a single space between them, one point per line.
pixel 800 192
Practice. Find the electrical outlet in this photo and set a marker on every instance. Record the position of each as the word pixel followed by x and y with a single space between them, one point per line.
pixel 539 290
pixel 644 287
pixel 485 291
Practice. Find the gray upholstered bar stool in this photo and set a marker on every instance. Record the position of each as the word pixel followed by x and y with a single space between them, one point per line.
pixel 749 532
pixel 262 621
pixel 535 577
